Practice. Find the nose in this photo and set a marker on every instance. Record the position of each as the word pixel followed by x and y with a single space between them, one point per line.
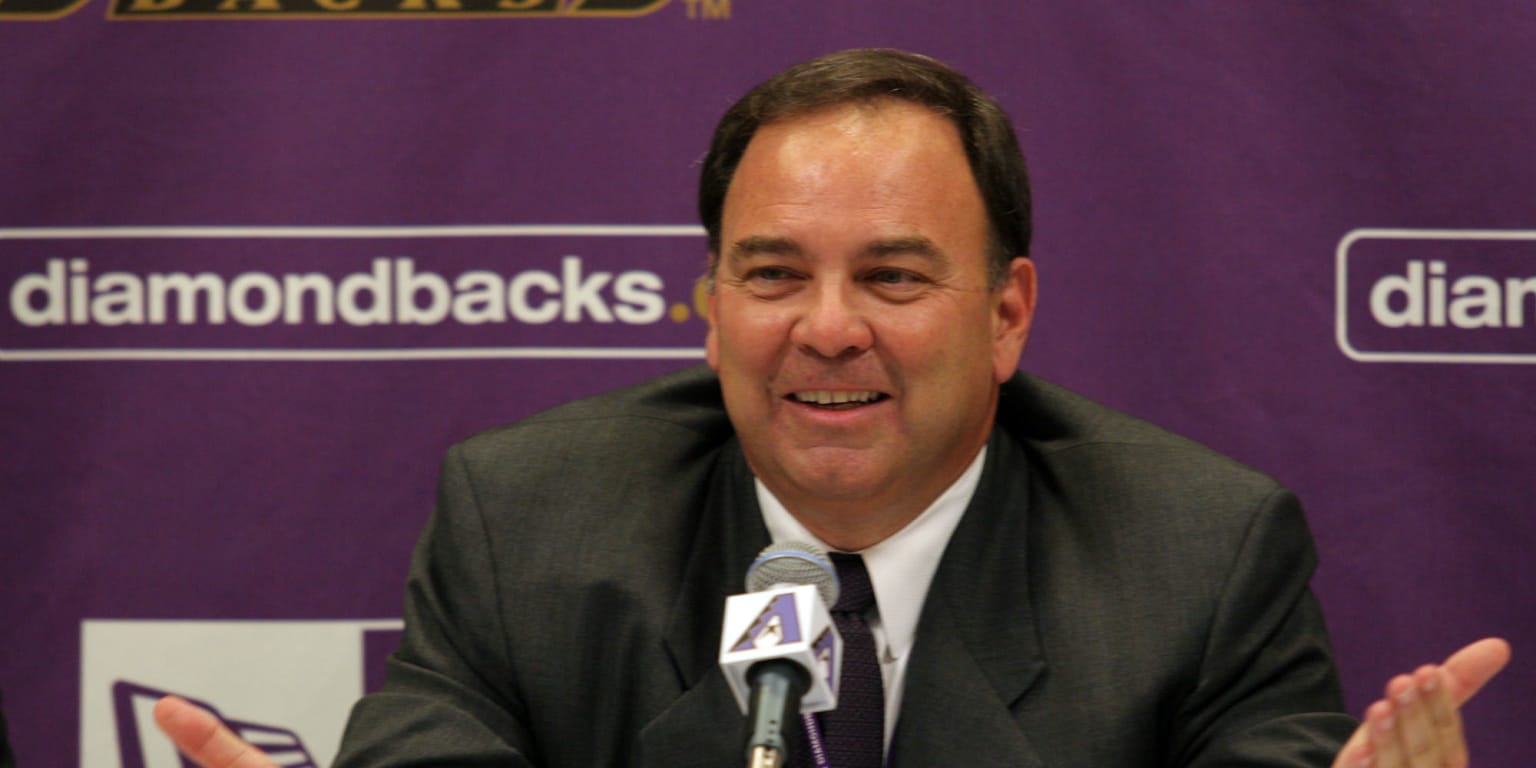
pixel 832 326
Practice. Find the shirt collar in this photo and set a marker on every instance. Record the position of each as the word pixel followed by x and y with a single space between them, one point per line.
pixel 902 566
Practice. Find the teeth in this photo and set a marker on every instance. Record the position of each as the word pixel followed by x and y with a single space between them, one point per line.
pixel 827 397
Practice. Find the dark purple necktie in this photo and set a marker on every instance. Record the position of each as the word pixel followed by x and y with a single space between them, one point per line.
pixel 854 733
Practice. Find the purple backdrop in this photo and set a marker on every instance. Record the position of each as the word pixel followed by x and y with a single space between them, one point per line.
pixel 1198 167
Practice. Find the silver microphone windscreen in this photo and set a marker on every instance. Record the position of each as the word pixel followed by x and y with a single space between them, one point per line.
pixel 794 562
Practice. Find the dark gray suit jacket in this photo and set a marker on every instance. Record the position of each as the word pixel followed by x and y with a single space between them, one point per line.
pixel 1114 596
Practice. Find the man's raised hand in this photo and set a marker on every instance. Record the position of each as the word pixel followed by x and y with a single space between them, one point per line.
pixel 1416 724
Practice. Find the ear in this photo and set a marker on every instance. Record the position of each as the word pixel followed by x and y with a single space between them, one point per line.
pixel 1012 317
pixel 711 318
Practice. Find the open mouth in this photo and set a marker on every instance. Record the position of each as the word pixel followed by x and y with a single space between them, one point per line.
pixel 838 400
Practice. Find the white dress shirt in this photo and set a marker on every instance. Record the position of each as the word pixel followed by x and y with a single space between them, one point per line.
pixel 900 569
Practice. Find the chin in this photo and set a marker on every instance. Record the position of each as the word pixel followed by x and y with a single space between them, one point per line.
pixel 839 484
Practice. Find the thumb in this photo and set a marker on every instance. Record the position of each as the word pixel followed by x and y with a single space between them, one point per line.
pixel 1473 666
pixel 200 736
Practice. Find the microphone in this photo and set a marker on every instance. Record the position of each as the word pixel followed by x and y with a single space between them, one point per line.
pixel 779 650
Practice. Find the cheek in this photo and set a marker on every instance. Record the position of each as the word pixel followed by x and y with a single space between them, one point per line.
pixel 745 336
pixel 948 372
pixel 943 343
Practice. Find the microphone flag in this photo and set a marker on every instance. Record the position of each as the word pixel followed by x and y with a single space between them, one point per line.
pixel 786 622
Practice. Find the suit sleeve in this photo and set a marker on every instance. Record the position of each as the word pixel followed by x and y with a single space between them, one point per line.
pixel 450 697
pixel 1267 692
pixel 7 760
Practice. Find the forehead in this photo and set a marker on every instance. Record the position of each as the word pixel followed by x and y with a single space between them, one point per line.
pixel 890 165
pixel 850 132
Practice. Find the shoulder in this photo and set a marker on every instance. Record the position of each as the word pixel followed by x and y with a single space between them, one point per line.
pixel 1154 513
pixel 1142 499
pixel 612 465
pixel 1151 553
pixel 1071 436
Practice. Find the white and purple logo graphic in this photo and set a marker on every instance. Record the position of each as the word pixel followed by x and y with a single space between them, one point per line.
pixel 130 699
pixel 285 686
pixel 826 648
pixel 1437 296
pixel 782 623
pixel 354 293
pixel 778 624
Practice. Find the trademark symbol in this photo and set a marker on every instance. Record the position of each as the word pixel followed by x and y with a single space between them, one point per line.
pixel 709 10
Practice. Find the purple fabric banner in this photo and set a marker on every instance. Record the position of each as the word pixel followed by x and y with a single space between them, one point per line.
pixel 264 260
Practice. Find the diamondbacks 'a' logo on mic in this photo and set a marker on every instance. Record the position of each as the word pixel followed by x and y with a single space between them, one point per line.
pixel 778 624
pixel 825 649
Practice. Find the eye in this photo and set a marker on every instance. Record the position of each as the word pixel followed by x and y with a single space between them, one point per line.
pixel 896 279
pixel 768 274
pixel 769 281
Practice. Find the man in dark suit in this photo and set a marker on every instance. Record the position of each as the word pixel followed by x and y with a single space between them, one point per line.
pixel 1073 587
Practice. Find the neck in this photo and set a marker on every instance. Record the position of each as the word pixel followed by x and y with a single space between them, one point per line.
pixel 851 530
pixel 856 524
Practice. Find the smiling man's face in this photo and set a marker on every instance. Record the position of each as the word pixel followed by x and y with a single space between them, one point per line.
pixel 858 342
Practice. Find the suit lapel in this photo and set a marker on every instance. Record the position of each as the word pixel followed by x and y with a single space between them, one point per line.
pixel 704 727
pixel 977 652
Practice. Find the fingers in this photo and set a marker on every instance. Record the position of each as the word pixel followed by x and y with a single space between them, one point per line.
pixel 1381 724
pixel 1357 751
pixel 1420 739
pixel 1446 718
pixel 201 737
pixel 1416 725
pixel 1470 668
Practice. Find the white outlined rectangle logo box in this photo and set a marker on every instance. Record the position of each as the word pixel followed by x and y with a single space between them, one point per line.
pixel 1432 264
pixel 286 684
pixel 654 328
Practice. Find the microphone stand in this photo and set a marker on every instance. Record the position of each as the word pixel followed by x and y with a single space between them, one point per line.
pixel 777 687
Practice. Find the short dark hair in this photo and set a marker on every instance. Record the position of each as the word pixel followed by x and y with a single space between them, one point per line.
pixel 872 74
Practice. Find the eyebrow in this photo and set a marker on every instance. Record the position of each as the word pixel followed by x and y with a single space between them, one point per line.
pixel 915 245
pixel 748 247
